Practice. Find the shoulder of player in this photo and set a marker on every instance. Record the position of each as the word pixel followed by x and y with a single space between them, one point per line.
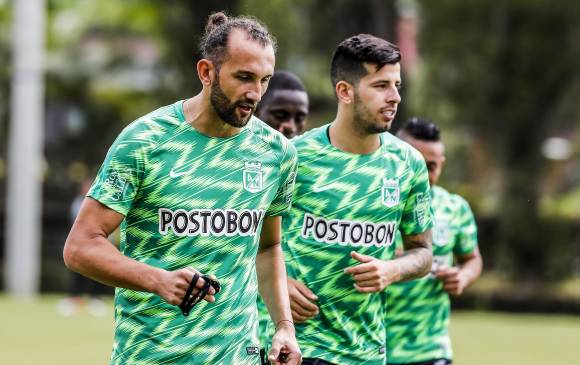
pixel 271 138
pixel 460 202
pixel 310 140
pixel 454 200
pixel 149 129
pixel 407 153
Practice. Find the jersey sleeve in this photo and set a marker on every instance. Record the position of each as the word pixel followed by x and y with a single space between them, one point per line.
pixel 466 239
pixel 283 199
pixel 121 173
pixel 417 214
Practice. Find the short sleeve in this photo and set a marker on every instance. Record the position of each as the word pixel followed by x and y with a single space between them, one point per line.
pixel 283 199
pixel 417 214
pixel 121 173
pixel 466 239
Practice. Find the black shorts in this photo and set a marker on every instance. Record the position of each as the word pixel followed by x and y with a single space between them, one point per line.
pixel 311 361
pixel 428 362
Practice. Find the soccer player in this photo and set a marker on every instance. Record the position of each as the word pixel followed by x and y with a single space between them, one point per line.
pixel 417 318
pixel 355 187
pixel 284 106
pixel 199 187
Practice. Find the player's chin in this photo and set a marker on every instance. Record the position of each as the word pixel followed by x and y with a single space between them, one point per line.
pixel 380 127
pixel 239 122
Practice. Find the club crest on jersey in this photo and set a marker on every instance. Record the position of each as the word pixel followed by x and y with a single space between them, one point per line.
pixel 253 177
pixel 390 192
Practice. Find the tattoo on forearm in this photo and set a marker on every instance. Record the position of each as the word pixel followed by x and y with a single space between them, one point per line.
pixel 416 260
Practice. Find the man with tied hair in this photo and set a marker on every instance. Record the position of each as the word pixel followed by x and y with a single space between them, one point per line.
pixel 417 319
pixel 355 187
pixel 285 105
pixel 198 187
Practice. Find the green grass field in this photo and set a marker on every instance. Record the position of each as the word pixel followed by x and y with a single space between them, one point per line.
pixel 32 332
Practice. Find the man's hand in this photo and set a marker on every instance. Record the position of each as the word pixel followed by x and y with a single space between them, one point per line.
pixel 285 349
pixel 301 301
pixel 372 275
pixel 454 282
pixel 173 285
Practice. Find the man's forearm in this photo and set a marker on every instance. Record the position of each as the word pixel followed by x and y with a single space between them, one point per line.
pixel 97 258
pixel 417 257
pixel 272 282
pixel 470 267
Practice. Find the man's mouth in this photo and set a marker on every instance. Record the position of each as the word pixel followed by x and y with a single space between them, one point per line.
pixel 245 107
pixel 388 113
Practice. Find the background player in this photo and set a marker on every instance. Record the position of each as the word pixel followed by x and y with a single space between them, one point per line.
pixel 418 311
pixel 284 106
pixel 199 186
pixel 355 187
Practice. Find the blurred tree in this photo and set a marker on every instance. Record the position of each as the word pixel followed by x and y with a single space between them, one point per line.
pixel 504 69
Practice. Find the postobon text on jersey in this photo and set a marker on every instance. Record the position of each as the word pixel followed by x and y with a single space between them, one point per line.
pixel 345 232
pixel 210 222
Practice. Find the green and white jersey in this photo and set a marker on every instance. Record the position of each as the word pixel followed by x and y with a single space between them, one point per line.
pixel 417 318
pixel 190 200
pixel 346 202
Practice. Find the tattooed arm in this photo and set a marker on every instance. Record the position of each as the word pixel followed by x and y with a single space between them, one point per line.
pixel 416 259
pixel 373 275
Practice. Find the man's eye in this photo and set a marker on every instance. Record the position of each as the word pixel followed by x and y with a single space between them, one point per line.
pixel 281 115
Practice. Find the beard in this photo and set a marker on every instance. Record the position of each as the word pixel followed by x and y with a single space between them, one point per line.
pixel 225 108
pixel 364 119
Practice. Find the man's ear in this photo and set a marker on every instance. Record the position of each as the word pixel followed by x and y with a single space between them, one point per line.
pixel 206 71
pixel 344 91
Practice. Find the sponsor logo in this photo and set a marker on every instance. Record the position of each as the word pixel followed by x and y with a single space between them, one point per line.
pixel 390 192
pixel 117 185
pixel 352 233
pixel 422 206
pixel 253 350
pixel 210 222
pixel 173 173
pixel 253 177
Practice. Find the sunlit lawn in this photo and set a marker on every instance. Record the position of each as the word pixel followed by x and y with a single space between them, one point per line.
pixel 34 333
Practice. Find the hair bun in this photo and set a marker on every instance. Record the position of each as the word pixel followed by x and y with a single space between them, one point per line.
pixel 215 20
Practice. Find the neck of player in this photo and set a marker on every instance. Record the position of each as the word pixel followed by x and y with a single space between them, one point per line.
pixel 202 116
pixel 345 136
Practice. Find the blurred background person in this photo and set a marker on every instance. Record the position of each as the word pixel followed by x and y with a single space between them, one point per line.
pixel 284 106
pixel 417 319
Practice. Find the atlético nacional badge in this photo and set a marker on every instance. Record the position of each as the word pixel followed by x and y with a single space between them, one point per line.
pixel 253 177
pixel 390 192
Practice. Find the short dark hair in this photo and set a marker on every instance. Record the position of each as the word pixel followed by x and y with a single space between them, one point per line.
pixel 351 54
pixel 282 80
pixel 214 43
pixel 421 129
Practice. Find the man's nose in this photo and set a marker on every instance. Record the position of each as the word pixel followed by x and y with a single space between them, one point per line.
pixel 288 127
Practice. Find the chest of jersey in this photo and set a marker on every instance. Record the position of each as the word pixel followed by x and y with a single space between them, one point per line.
pixel 211 173
pixel 208 187
pixel 350 200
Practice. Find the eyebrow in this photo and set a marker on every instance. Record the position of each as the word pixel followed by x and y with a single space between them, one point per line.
pixel 247 72
pixel 386 82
